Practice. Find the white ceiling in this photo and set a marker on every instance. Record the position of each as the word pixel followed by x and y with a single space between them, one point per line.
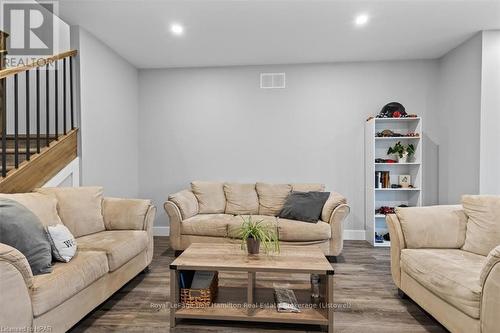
pixel 251 32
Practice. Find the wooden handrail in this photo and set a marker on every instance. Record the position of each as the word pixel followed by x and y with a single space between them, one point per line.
pixel 38 63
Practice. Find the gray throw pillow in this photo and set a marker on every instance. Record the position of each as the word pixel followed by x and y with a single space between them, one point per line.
pixel 304 206
pixel 21 229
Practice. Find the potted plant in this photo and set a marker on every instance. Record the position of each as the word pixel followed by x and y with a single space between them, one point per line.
pixel 404 152
pixel 256 233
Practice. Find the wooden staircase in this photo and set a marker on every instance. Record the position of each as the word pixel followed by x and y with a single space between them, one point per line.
pixel 41 166
pixel 33 152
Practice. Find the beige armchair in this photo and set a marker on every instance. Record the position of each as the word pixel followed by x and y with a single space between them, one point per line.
pixel 460 289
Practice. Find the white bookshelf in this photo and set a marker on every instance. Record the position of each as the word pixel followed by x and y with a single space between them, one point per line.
pixel 376 147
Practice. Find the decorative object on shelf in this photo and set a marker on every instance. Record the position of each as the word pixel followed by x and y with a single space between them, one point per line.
pixel 315 294
pixel 384 210
pixel 390 134
pixel 385 160
pixel 256 233
pixel 404 180
pixel 378 238
pixel 386 237
pixel 404 152
pixel 392 110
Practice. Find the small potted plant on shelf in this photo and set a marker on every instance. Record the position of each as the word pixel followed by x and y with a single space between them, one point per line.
pixel 256 233
pixel 404 152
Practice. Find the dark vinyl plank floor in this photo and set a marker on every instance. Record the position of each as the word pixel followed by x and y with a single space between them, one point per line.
pixel 365 295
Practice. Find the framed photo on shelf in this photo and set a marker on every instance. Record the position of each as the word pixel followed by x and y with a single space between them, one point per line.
pixel 405 180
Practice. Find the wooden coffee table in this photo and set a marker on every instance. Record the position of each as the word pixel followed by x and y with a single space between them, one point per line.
pixel 233 304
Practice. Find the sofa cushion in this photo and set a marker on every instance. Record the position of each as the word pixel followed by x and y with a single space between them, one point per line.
pixel 22 230
pixel 304 206
pixel 124 214
pixel 119 245
pixel 241 199
pixel 233 228
pixel 66 280
pixel 186 202
pixel 333 202
pixel 80 208
pixel 298 231
pixel 433 227
pixel 210 195
pixel 483 226
pixel 272 197
pixel 43 206
pixel 214 225
pixel 308 187
pixel 451 274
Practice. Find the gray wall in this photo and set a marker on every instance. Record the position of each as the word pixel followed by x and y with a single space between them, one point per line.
pixel 108 119
pixel 217 124
pixel 490 114
pixel 459 118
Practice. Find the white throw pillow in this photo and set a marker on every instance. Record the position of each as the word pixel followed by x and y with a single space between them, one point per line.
pixel 62 241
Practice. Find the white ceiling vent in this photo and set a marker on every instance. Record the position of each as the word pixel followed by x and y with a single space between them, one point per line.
pixel 272 80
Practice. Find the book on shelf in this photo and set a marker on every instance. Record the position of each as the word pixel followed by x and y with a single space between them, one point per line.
pixel 382 179
pixel 286 300
pixel 202 279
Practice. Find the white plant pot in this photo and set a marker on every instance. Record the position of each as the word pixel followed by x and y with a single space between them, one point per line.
pixel 403 159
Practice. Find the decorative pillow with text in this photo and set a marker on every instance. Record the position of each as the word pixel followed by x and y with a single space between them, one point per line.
pixel 62 242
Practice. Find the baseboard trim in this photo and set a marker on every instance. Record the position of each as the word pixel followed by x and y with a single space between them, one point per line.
pixel 161 231
pixel 348 234
pixel 354 235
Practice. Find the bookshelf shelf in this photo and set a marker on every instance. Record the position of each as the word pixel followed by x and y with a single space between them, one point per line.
pixel 384 244
pixel 390 120
pixel 376 148
pixel 397 189
pixel 396 164
pixel 397 137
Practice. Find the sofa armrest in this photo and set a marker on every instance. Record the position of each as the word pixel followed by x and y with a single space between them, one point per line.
pixel 334 200
pixel 175 218
pixel 18 260
pixel 433 226
pixel 186 202
pixel 397 244
pixel 16 279
pixel 130 214
pixel 125 214
pixel 490 303
pixel 336 221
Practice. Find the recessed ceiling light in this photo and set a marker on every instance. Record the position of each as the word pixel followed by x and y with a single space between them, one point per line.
pixel 176 29
pixel 361 19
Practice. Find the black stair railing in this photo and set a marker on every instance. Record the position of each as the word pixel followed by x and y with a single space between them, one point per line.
pixel 27 143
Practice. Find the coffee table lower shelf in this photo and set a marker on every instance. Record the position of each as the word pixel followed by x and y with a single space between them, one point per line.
pixel 306 316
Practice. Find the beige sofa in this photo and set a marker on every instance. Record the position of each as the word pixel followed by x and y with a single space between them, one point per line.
pixel 211 212
pixel 434 264
pixel 104 262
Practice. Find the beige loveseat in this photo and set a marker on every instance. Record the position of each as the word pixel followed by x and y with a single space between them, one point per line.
pixel 211 212
pixel 449 266
pixel 114 243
